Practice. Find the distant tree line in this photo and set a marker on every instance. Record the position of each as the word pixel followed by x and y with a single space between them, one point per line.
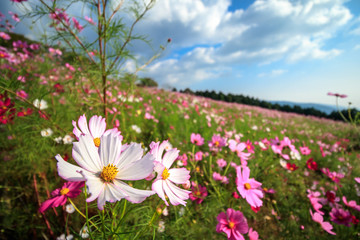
pixel 239 98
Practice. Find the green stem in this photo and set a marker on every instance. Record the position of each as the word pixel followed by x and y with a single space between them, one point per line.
pixel 82 213
pixel 337 106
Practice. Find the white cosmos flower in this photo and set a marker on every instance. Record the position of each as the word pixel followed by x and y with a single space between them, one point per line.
pixel 96 128
pixel 103 169
pixel 69 208
pixel 68 139
pixel 84 232
pixel 46 132
pixel 295 155
pixel 136 128
pixel 40 104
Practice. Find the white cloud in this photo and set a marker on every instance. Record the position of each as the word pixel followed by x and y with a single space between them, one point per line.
pixel 268 31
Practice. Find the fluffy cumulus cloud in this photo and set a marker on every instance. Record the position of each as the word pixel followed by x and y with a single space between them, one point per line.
pixel 210 39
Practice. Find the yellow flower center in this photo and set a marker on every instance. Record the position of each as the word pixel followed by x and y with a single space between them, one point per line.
pixel 165 174
pixel 64 191
pixel 198 193
pixel 265 189
pixel 231 225
pixel 217 143
pixel 97 142
pixel 247 186
pixel 108 173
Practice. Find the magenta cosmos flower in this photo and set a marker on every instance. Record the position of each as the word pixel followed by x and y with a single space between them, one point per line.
pixel 105 167
pixel 198 193
pixel 233 223
pixel 60 195
pixel 196 139
pixel 164 185
pixel 248 187
pixel 96 128
pixel 340 216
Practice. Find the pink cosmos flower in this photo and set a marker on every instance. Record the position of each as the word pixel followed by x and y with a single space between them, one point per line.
pixel 357 179
pixel 316 217
pixel 340 216
pixel 282 146
pixel 337 95
pixel 253 235
pixel 233 224
pixel 305 150
pixel 5 36
pixel 332 175
pixel 22 94
pixel 183 158
pixel 351 204
pixel 14 16
pixel 166 177
pixel 199 156
pixel 4 54
pixel 68 66
pixel 248 187
pixel 221 163
pixel 105 167
pixel 218 177
pixel 314 200
pixel 34 46
pixel 198 193
pixel 216 143
pixel 96 129
pixel 77 25
pixel 90 20
pixel 196 139
pixel 239 148
pixel 60 195
pixel 55 51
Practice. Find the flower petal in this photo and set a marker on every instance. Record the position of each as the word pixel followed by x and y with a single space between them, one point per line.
pixel 173 198
pixel 110 149
pixel 131 154
pixel 137 170
pixel 86 154
pixel 69 171
pixel 157 187
pixel 76 131
pixel 82 122
pixel 97 126
pixel 169 157
pixel 134 195
pixel 94 184
pixel 179 175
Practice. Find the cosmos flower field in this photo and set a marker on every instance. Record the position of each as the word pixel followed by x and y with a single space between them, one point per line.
pixel 163 165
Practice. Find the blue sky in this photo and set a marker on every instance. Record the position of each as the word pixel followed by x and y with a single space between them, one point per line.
pixel 269 49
